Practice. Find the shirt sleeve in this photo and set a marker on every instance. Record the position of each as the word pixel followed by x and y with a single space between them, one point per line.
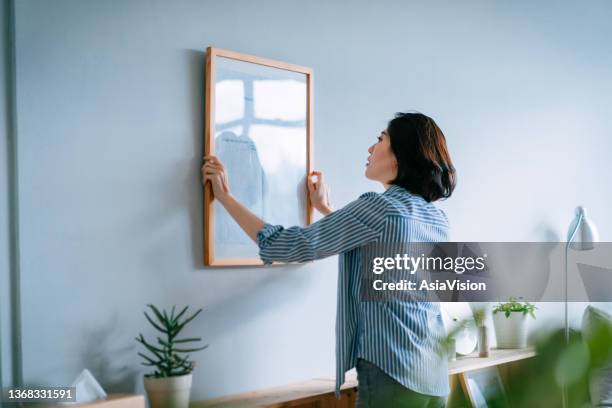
pixel 354 225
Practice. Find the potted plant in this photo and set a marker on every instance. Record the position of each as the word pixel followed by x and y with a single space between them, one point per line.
pixel 169 385
pixel 510 321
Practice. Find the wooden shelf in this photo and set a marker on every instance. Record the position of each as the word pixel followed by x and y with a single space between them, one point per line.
pixel 274 397
pixel 496 357
pixel 113 401
pixel 295 395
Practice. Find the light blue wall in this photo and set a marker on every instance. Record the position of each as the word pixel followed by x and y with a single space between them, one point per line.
pixel 4 229
pixel 110 132
pixel 8 349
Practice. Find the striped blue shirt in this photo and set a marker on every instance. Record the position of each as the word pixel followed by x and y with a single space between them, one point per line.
pixel 399 337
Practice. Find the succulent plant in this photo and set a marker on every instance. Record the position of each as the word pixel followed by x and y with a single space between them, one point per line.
pixel 168 358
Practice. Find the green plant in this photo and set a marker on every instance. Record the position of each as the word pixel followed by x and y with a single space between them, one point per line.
pixel 480 316
pixel 167 356
pixel 513 305
pixel 557 363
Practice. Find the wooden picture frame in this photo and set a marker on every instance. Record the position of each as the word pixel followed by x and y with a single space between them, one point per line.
pixel 481 385
pixel 254 118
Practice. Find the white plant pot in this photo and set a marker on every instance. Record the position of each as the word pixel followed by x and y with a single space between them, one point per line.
pixel 170 392
pixel 511 331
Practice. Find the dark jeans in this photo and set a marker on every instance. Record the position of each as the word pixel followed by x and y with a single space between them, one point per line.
pixel 377 390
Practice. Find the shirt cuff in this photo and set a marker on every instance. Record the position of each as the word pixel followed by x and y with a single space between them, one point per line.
pixel 265 237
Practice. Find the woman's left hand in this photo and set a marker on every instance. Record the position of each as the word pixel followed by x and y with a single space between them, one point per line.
pixel 213 171
pixel 318 193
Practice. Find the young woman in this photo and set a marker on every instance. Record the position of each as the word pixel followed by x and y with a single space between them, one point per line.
pixel 392 344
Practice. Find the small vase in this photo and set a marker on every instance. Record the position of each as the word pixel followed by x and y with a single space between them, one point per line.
pixel 483 341
pixel 511 331
pixel 452 350
pixel 169 392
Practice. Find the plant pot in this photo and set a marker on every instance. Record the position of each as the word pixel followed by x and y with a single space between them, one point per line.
pixel 511 331
pixel 170 392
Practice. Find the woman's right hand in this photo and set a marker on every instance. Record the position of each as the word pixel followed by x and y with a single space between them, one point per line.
pixel 214 172
pixel 318 193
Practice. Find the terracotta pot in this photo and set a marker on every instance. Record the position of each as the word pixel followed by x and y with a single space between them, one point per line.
pixel 170 392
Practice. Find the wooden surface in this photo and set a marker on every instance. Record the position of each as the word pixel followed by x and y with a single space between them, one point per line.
pixel 209 113
pixel 496 357
pixel 113 401
pixel 305 394
pixel 298 395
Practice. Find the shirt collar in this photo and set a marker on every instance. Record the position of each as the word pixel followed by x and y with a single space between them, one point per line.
pixel 395 189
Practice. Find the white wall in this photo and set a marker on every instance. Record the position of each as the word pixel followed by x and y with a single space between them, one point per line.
pixel 110 130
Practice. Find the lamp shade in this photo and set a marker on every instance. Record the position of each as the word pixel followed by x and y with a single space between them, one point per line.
pixel 585 235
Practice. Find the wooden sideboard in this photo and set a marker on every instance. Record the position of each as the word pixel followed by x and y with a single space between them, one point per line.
pixel 112 401
pixel 319 392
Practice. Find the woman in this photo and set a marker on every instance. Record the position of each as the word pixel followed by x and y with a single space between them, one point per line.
pixel 392 344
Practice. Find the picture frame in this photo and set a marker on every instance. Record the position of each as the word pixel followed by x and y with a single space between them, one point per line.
pixel 258 118
pixel 484 388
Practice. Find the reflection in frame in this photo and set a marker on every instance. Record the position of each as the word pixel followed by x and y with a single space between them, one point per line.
pixel 258 121
pixel 484 388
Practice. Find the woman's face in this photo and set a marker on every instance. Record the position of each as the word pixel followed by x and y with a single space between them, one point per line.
pixel 382 165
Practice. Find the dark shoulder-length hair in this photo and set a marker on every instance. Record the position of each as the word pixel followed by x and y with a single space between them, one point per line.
pixel 424 166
